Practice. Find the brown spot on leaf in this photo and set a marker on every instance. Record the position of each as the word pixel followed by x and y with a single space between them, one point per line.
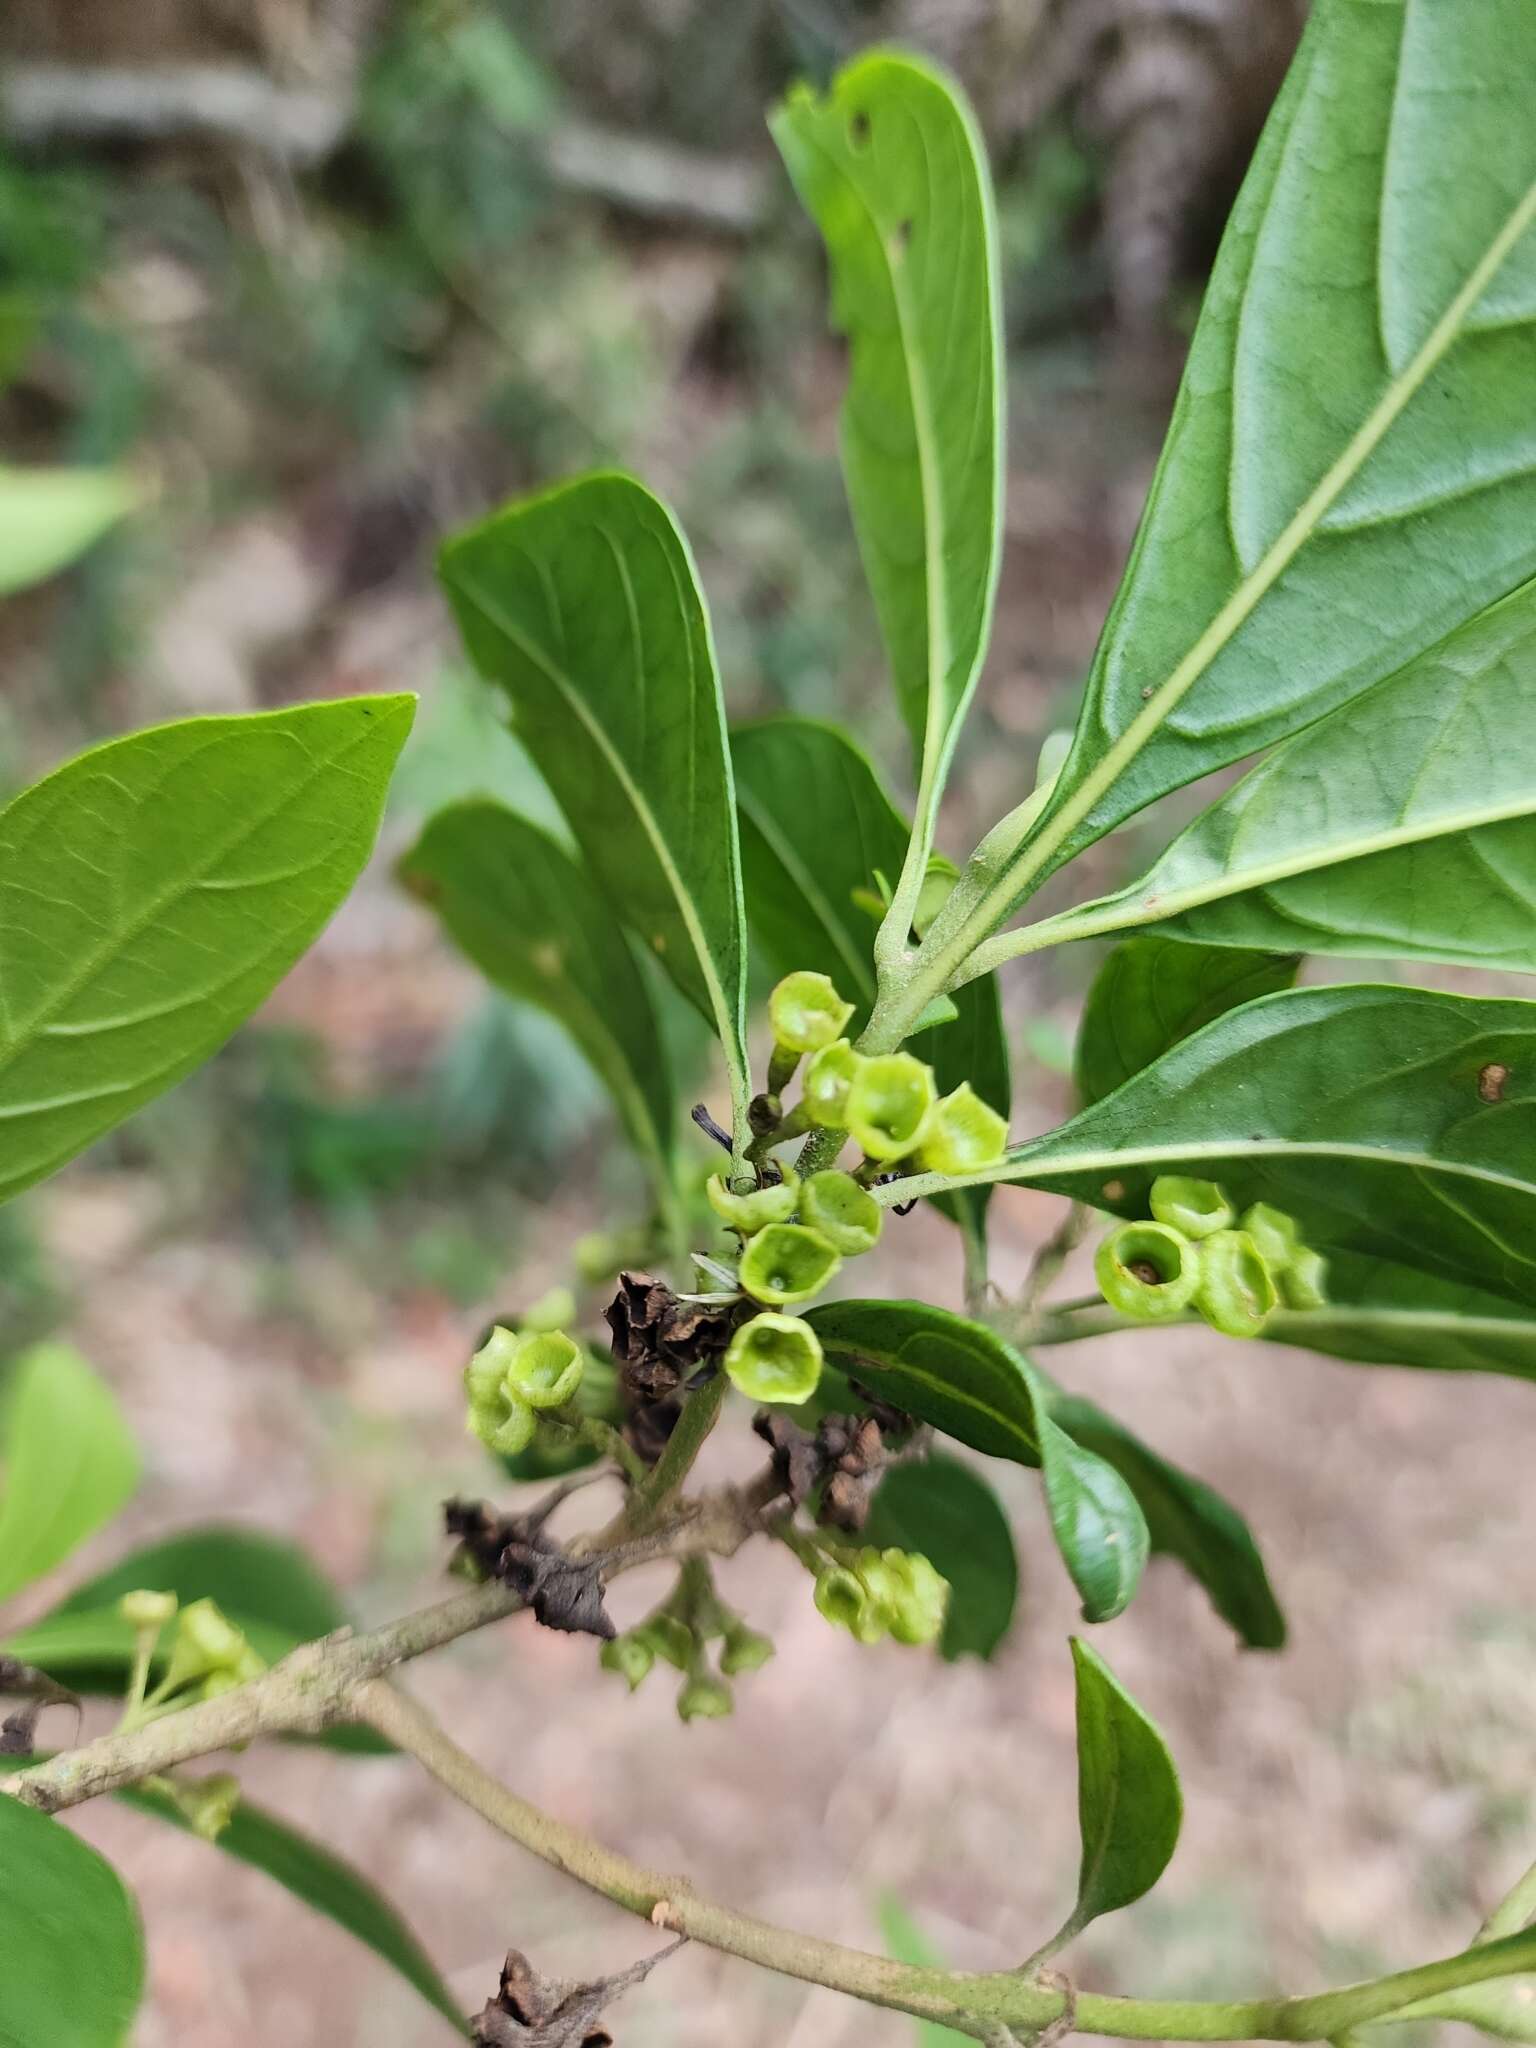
pixel 1491 1080
pixel 1114 1191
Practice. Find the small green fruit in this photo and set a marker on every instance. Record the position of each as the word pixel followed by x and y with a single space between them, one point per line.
pixel 546 1369
pixel 827 1081
pixel 807 1013
pixel 1197 1207
pixel 744 1650
pixel 1148 1271
pixel 1304 1282
pixel 756 1207
pixel 667 1637
pixel 1274 1233
pixel 705 1698
pixel 844 1600
pixel 630 1655
pixel 775 1358
pixel 142 1609
pixel 918 1597
pixel 964 1135
pixel 890 1105
pixel 787 1263
pixel 1237 1291
pixel 847 1215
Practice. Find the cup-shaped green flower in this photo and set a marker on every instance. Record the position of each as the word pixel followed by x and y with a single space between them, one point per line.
pixel 1237 1290
pixel 487 1370
pixel 207 1805
pixel 144 1610
pixel 843 1599
pixel 545 1370
pixel 890 1105
pixel 917 1599
pixel 1274 1233
pixel 847 1215
pixel 1303 1283
pixel 827 1081
pixel 786 1263
pixel 1197 1207
pixel 1148 1271
pixel 807 1013
pixel 744 1650
pixel 754 1208
pixel 630 1655
pixel 775 1358
pixel 668 1638
pixel 964 1134
pixel 704 1698
pixel 207 1646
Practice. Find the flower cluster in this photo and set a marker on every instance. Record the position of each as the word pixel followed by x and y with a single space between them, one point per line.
pixel 515 1377
pixel 1195 1252
pixel 679 1633
pixel 878 1593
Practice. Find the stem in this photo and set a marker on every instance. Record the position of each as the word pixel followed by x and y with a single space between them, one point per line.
pixel 820 1150
pixel 700 1412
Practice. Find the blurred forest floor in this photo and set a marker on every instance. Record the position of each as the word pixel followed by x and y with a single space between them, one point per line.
pixel 323 365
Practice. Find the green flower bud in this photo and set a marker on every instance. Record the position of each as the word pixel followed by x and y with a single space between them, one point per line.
pixel 1237 1290
pixel 1274 1234
pixel 1197 1207
pixel 1148 1271
pixel 918 1597
pixel 552 1311
pixel 847 1215
pixel 786 1263
pixel 757 1207
pixel 844 1600
pixel 1304 1282
pixel 828 1079
pixel 775 1358
pixel 743 1650
pixel 705 1698
pixel 545 1370
pixel 206 1804
pixel 667 1637
pixel 890 1105
pixel 807 1013
pixel 630 1655
pixel 208 1646
pixel 964 1134
pixel 145 1610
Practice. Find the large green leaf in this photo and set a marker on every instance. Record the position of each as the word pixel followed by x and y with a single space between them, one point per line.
pixel 1379 1313
pixel 1150 993
pixel 48 517
pixel 67 1462
pixel 891 166
pixel 1187 1520
pixel 323 1881
pixel 584 605
pixel 530 919
pixel 1351 470
pixel 71 1953
pixel 949 1514
pixel 971 1384
pixel 1392 1121
pixel 1402 825
pixel 1129 1806
pixel 154 890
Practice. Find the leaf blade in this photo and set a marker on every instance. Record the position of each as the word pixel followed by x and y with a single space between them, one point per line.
pixel 1150 993
pixel 69 1463
pixel 50 517
pixel 1128 1799
pixel 71 1937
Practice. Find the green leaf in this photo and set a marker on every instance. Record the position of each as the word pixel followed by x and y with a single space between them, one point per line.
pixel 70 1942
pixel 1379 1313
pixel 532 922
pixel 1351 470
pixel 49 517
pixel 154 890
pixel 322 1880
pixel 68 1459
pixel 942 1509
pixel 1403 825
pixel 971 1384
pixel 584 605
pixel 1186 1520
pixel 1129 1806
pixel 892 168
pixel 905 1942
pixel 1151 993
pixel 1391 1121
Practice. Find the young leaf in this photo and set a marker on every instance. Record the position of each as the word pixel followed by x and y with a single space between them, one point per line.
pixel 971 1384
pixel 1403 825
pixel 1186 1520
pixel 530 919
pixel 1129 1806
pixel 154 890
pixel 891 167
pixel 1378 1313
pixel 1150 993
pixel 1351 470
pixel 49 517
pixel 584 605
pixel 68 1462
pixel 1390 1121
pixel 905 1942
pixel 943 1510
pixel 71 1952
pixel 323 1881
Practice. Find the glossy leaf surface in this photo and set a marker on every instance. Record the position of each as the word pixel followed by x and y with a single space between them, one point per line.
pixel 1379 1313
pixel 71 1953
pixel 950 1515
pixel 1151 993
pixel 1129 1805
pixel 67 1462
